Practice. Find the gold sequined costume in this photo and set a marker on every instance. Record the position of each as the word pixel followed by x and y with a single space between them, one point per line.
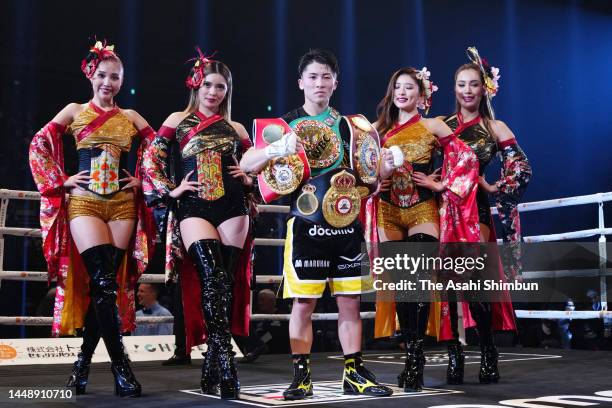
pixel 407 205
pixel 103 152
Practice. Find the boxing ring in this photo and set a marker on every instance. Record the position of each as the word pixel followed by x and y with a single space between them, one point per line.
pixel 265 380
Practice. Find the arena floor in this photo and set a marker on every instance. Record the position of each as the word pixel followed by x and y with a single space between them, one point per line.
pixel 527 374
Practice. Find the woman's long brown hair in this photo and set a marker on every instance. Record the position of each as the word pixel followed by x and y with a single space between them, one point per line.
pixel 387 112
pixel 225 108
pixel 483 111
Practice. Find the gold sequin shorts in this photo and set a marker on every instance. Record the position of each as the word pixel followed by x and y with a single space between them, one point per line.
pixel 391 217
pixel 120 206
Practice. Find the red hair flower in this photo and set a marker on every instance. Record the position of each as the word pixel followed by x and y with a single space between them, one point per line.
pixel 97 53
pixel 196 76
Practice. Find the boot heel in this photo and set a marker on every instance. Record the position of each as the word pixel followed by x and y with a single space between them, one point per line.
pixel 456 364
pixel 209 383
pixel 229 387
pixel 80 374
pixel 228 390
pixel 411 379
pixel 125 382
pixel 489 372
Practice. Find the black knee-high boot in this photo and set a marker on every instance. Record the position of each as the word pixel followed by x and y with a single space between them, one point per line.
pixel 91 336
pixel 231 256
pixel 215 286
pixel 413 323
pixel 100 262
pixel 413 318
pixel 456 355
pixel 482 313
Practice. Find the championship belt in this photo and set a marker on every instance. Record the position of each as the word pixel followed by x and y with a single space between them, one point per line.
pixel 403 192
pixel 331 198
pixel 342 201
pixel 365 153
pixel 282 175
pixel 323 145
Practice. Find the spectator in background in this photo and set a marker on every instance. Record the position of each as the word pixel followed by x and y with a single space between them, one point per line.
pixel 565 334
pixel 181 356
pixel 604 325
pixel 266 335
pixel 147 298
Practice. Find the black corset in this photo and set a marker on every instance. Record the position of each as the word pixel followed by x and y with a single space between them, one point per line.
pixel 85 157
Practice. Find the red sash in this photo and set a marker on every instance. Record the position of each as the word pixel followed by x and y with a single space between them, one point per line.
pixel 461 125
pixel 205 122
pixel 396 130
pixel 95 124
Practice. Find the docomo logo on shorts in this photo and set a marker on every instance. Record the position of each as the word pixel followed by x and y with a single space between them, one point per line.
pixel 319 231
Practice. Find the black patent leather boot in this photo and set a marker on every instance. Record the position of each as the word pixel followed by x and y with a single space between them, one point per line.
pixel 456 363
pixel 413 323
pixel 100 262
pixel 229 386
pixel 80 374
pixel 489 373
pixel 216 298
pixel 209 383
pixel 91 336
pixel 411 378
pixel 231 256
pixel 482 313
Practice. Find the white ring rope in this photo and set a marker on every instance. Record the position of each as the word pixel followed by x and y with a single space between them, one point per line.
pixel 602 231
pixel 47 321
pixel 144 278
pixel 522 314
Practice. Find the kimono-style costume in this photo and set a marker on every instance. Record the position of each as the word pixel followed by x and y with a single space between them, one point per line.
pixel 457 209
pixel 107 142
pixel 206 146
pixel 406 205
pixel 515 175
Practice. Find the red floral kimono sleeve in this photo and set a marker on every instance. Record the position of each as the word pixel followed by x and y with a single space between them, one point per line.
pixel 47 166
pixel 515 175
pixel 145 227
pixel 458 212
pixel 46 161
pixel 157 182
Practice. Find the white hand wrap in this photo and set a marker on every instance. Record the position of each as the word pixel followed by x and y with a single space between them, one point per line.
pixel 398 156
pixel 284 146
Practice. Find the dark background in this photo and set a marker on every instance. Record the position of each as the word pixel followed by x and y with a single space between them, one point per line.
pixel 555 59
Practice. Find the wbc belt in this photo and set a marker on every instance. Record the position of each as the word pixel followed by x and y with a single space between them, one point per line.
pixel 364 152
pixel 282 175
pixel 331 198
